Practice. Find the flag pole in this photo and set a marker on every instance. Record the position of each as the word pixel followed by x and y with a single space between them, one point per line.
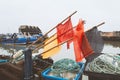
pixel 96 26
pixel 57 45
pixel 52 40
pixel 71 38
pixel 39 46
pixel 53 28
pixel 61 22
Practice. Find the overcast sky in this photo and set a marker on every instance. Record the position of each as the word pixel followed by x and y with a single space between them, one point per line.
pixel 48 13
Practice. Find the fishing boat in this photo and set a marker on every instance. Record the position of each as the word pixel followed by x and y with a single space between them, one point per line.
pixel 27 34
pixel 7 68
pixel 19 70
pixel 19 38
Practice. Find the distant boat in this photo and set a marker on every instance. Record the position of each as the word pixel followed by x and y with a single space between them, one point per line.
pixel 19 38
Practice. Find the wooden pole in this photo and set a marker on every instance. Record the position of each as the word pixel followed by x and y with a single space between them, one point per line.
pixel 96 26
pixel 53 28
pixel 61 22
pixel 57 45
pixel 39 46
pixel 54 39
pixel 72 38
pixel 28 74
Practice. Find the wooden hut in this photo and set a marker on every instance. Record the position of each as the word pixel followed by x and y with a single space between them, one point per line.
pixel 29 30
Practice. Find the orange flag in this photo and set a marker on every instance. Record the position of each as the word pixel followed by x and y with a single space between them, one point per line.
pixel 64 31
pixel 86 47
pixel 52 43
pixel 77 41
pixel 82 46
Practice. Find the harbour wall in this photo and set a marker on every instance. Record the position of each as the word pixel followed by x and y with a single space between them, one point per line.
pixel 111 36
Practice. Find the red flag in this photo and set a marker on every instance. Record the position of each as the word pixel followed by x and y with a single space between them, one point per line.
pixel 77 41
pixel 64 31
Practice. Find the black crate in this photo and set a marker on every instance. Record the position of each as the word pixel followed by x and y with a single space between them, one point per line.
pixel 101 76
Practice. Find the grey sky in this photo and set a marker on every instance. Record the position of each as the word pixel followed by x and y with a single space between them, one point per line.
pixel 48 13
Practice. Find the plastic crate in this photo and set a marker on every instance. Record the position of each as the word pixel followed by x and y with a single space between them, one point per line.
pixel 48 77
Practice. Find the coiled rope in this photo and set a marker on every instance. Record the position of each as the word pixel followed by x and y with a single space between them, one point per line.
pixel 105 63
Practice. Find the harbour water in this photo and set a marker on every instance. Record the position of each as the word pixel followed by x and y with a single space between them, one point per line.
pixel 110 47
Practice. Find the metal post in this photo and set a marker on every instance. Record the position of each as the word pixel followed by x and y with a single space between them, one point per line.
pixel 28 75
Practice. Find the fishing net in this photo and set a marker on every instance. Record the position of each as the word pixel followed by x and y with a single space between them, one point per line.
pixel 105 63
pixel 64 66
pixel 95 40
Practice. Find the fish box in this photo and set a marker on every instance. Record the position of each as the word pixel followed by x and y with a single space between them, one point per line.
pixel 48 77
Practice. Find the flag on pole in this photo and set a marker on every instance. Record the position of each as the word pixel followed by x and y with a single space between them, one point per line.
pixel 77 41
pixel 82 47
pixel 86 47
pixel 95 40
pixel 52 43
pixel 64 31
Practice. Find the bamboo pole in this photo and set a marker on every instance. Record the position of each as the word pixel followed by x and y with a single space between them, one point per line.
pixel 61 22
pixel 57 45
pixel 72 38
pixel 53 39
pixel 53 28
pixel 39 46
pixel 96 26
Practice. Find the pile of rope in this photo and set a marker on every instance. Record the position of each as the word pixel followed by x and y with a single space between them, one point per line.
pixel 105 63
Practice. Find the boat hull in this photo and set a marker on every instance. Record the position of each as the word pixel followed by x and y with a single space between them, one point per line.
pixel 19 41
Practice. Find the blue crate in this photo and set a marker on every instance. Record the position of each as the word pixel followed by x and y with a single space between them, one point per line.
pixel 48 77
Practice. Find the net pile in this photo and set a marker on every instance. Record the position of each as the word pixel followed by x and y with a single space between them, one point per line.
pixel 105 63
pixel 66 68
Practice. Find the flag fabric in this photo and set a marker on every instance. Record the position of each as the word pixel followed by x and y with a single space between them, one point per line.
pixel 77 41
pixel 64 31
pixel 51 42
pixel 82 48
pixel 95 40
pixel 86 47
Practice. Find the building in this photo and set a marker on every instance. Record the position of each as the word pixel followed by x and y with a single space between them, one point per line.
pixel 29 30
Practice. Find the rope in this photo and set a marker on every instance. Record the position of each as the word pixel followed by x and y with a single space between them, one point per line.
pixel 105 64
